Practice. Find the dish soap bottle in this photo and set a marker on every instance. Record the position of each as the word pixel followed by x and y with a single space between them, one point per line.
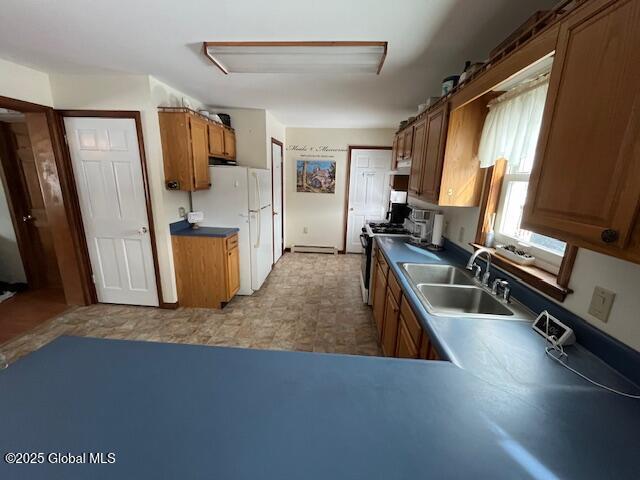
pixel 489 241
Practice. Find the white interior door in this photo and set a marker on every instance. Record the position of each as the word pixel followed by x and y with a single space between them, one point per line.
pixel 108 174
pixel 276 172
pixel 368 188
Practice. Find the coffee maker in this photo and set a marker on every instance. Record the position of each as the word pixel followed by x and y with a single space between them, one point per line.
pixel 398 208
pixel 425 227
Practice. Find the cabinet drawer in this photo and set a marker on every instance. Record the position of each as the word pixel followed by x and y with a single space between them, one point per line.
pixel 394 287
pixel 232 242
pixel 382 263
pixel 413 326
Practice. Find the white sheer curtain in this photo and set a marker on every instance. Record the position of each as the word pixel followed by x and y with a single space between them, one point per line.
pixel 512 126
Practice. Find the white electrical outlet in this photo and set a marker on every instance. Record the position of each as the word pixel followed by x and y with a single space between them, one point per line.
pixel 182 212
pixel 305 229
pixel 461 235
pixel 601 303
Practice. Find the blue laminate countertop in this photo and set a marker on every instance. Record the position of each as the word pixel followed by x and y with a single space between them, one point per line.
pixel 502 352
pixel 183 229
pixel 187 411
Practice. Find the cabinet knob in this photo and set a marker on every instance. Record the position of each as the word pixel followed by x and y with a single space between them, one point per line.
pixel 609 236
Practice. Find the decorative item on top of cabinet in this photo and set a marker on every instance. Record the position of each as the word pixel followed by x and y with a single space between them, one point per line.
pixel 207 270
pixel 185 149
pixel 585 184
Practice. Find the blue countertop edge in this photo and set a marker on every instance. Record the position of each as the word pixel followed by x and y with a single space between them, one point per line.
pixel 614 353
pixel 183 228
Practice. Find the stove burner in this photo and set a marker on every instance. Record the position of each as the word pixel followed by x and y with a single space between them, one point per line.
pixel 388 228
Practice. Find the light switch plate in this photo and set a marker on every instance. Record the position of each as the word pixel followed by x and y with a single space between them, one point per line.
pixel 601 303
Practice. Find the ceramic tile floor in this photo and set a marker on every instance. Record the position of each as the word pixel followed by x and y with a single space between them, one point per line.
pixel 310 302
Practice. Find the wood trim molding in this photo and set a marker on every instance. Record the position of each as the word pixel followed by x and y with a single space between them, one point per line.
pixel 537 278
pixel 490 198
pixel 169 306
pixel 281 145
pixel 345 224
pixel 211 58
pixel 566 267
pixel 135 115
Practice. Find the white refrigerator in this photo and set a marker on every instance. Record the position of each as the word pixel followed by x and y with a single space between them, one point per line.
pixel 241 197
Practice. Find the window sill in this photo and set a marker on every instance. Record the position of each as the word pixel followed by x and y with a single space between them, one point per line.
pixel 535 277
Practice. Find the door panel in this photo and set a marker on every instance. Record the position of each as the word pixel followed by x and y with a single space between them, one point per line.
pixel 417 162
pixel 277 179
pixel 108 173
pixel 585 184
pixel 42 266
pixel 200 153
pixel 368 190
pixel 216 140
pixel 433 154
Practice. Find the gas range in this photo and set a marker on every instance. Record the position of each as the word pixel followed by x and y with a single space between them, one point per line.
pixel 385 228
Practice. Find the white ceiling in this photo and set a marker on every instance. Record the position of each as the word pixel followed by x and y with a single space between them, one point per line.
pixel 428 40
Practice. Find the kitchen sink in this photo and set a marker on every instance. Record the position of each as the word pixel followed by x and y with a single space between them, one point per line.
pixel 437 274
pixel 461 300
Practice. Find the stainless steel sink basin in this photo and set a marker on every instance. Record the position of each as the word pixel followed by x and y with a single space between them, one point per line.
pixel 457 300
pixel 437 274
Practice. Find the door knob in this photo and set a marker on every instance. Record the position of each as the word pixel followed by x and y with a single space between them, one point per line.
pixel 609 236
pixel 143 230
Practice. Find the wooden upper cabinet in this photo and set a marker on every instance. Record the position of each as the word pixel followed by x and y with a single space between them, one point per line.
pixel 185 150
pixel 419 137
pixel 433 154
pixel 394 152
pixel 216 140
pixel 462 177
pixel 200 153
pixel 407 142
pixel 585 183
pixel 229 143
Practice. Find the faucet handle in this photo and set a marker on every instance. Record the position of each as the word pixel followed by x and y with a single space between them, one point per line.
pixel 476 269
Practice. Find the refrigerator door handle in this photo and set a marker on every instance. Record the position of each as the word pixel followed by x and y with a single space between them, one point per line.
pixel 255 177
pixel 258 222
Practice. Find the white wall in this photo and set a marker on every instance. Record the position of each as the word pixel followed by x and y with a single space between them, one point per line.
pixel 11 268
pixel 251 131
pixel 24 83
pixel 144 94
pixel 321 213
pixel 590 269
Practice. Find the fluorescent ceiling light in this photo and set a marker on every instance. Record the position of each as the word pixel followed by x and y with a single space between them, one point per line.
pixel 297 57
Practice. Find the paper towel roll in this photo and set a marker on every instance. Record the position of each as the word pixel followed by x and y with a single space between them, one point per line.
pixel 438 224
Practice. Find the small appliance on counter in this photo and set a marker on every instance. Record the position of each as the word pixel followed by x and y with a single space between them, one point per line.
pixel 426 228
pixel 398 208
pixel 194 218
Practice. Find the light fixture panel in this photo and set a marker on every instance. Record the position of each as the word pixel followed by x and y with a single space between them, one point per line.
pixel 297 57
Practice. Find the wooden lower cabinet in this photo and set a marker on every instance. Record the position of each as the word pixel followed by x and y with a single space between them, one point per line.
pixel 207 270
pixel 390 326
pixel 405 347
pixel 379 299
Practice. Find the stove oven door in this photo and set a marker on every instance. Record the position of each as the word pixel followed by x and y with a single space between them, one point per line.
pixel 365 274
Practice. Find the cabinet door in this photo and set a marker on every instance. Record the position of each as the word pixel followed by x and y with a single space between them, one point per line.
pixel 233 271
pixel 379 297
pixel 390 327
pixel 408 142
pixel 394 152
pixel 230 143
pixel 216 140
pixel 436 135
pixel 585 183
pixel 419 137
pixel 405 348
pixel 423 351
pixel 199 153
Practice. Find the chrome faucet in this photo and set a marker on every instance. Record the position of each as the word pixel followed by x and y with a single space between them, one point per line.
pixel 471 265
pixel 500 284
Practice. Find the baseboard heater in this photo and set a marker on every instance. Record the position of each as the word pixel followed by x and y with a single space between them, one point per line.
pixel 313 249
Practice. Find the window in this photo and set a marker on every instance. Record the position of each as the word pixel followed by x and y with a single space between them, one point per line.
pixel 511 132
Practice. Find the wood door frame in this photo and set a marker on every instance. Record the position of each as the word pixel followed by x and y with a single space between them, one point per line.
pixel 345 224
pixel 76 288
pixel 117 114
pixel 273 232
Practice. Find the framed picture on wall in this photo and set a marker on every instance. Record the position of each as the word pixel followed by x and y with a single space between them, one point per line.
pixel 316 176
